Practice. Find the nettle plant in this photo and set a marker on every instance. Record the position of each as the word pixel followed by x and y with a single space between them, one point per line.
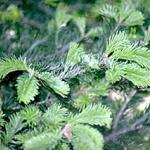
pixel 66 119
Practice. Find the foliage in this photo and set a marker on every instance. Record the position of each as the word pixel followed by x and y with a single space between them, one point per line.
pixel 74 74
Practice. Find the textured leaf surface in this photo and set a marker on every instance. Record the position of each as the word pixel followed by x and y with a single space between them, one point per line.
pixel 117 41
pixel 140 55
pixel 42 141
pixel 59 86
pixel 54 116
pixel 10 65
pixel 86 138
pixel 15 124
pixel 93 115
pixel 75 54
pixel 135 18
pixel 137 75
pixel 27 88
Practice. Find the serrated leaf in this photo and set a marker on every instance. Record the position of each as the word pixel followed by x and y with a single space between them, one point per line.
pixel 14 125
pixel 42 141
pixel 135 18
pixel 86 138
pixel 10 65
pixel 54 116
pixel 27 88
pixel 59 86
pixel 137 75
pixel 109 11
pixel 116 42
pixel 140 55
pixel 115 73
pixel 75 54
pixel 95 114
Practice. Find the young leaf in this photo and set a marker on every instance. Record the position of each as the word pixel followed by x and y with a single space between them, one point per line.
pixel 81 23
pixel 31 115
pixel 115 73
pixel 27 88
pixel 109 11
pixel 12 127
pixel 62 17
pixel 59 86
pixel 140 55
pixel 54 116
pixel 86 138
pixel 43 141
pixel 95 114
pixel 135 18
pixel 116 42
pixel 75 54
pixel 10 65
pixel 125 9
pixel 137 75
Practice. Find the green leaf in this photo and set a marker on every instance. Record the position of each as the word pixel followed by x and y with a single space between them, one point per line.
pixel 27 88
pixel 140 55
pixel 81 23
pixel 109 11
pixel 98 88
pixel 59 86
pixel 95 114
pixel 10 65
pixel 14 125
pixel 12 13
pixel 132 72
pixel 43 141
pixel 91 61
pixel 125 9
pixel 51 2
pixel 82 101
pixel 115 73
pixel 75 54
pixel 86 138
pixel 135 18
pixel 137 75
pixel 62 17
pixel 64 146
pixel 117 42
pixel 54 116
pixel 31 115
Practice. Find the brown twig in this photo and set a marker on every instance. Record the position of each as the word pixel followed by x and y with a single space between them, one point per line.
pixel 116 27
pixel 121 111
pixel 138 124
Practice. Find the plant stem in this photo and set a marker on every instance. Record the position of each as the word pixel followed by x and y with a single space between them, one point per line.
pixel 138 124
pixel 120 113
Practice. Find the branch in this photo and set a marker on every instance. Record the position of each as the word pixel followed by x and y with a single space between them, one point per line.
pixel 134 126
pixel 121 111
pixel 34 45
pixel 32 23
pixel 116 27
